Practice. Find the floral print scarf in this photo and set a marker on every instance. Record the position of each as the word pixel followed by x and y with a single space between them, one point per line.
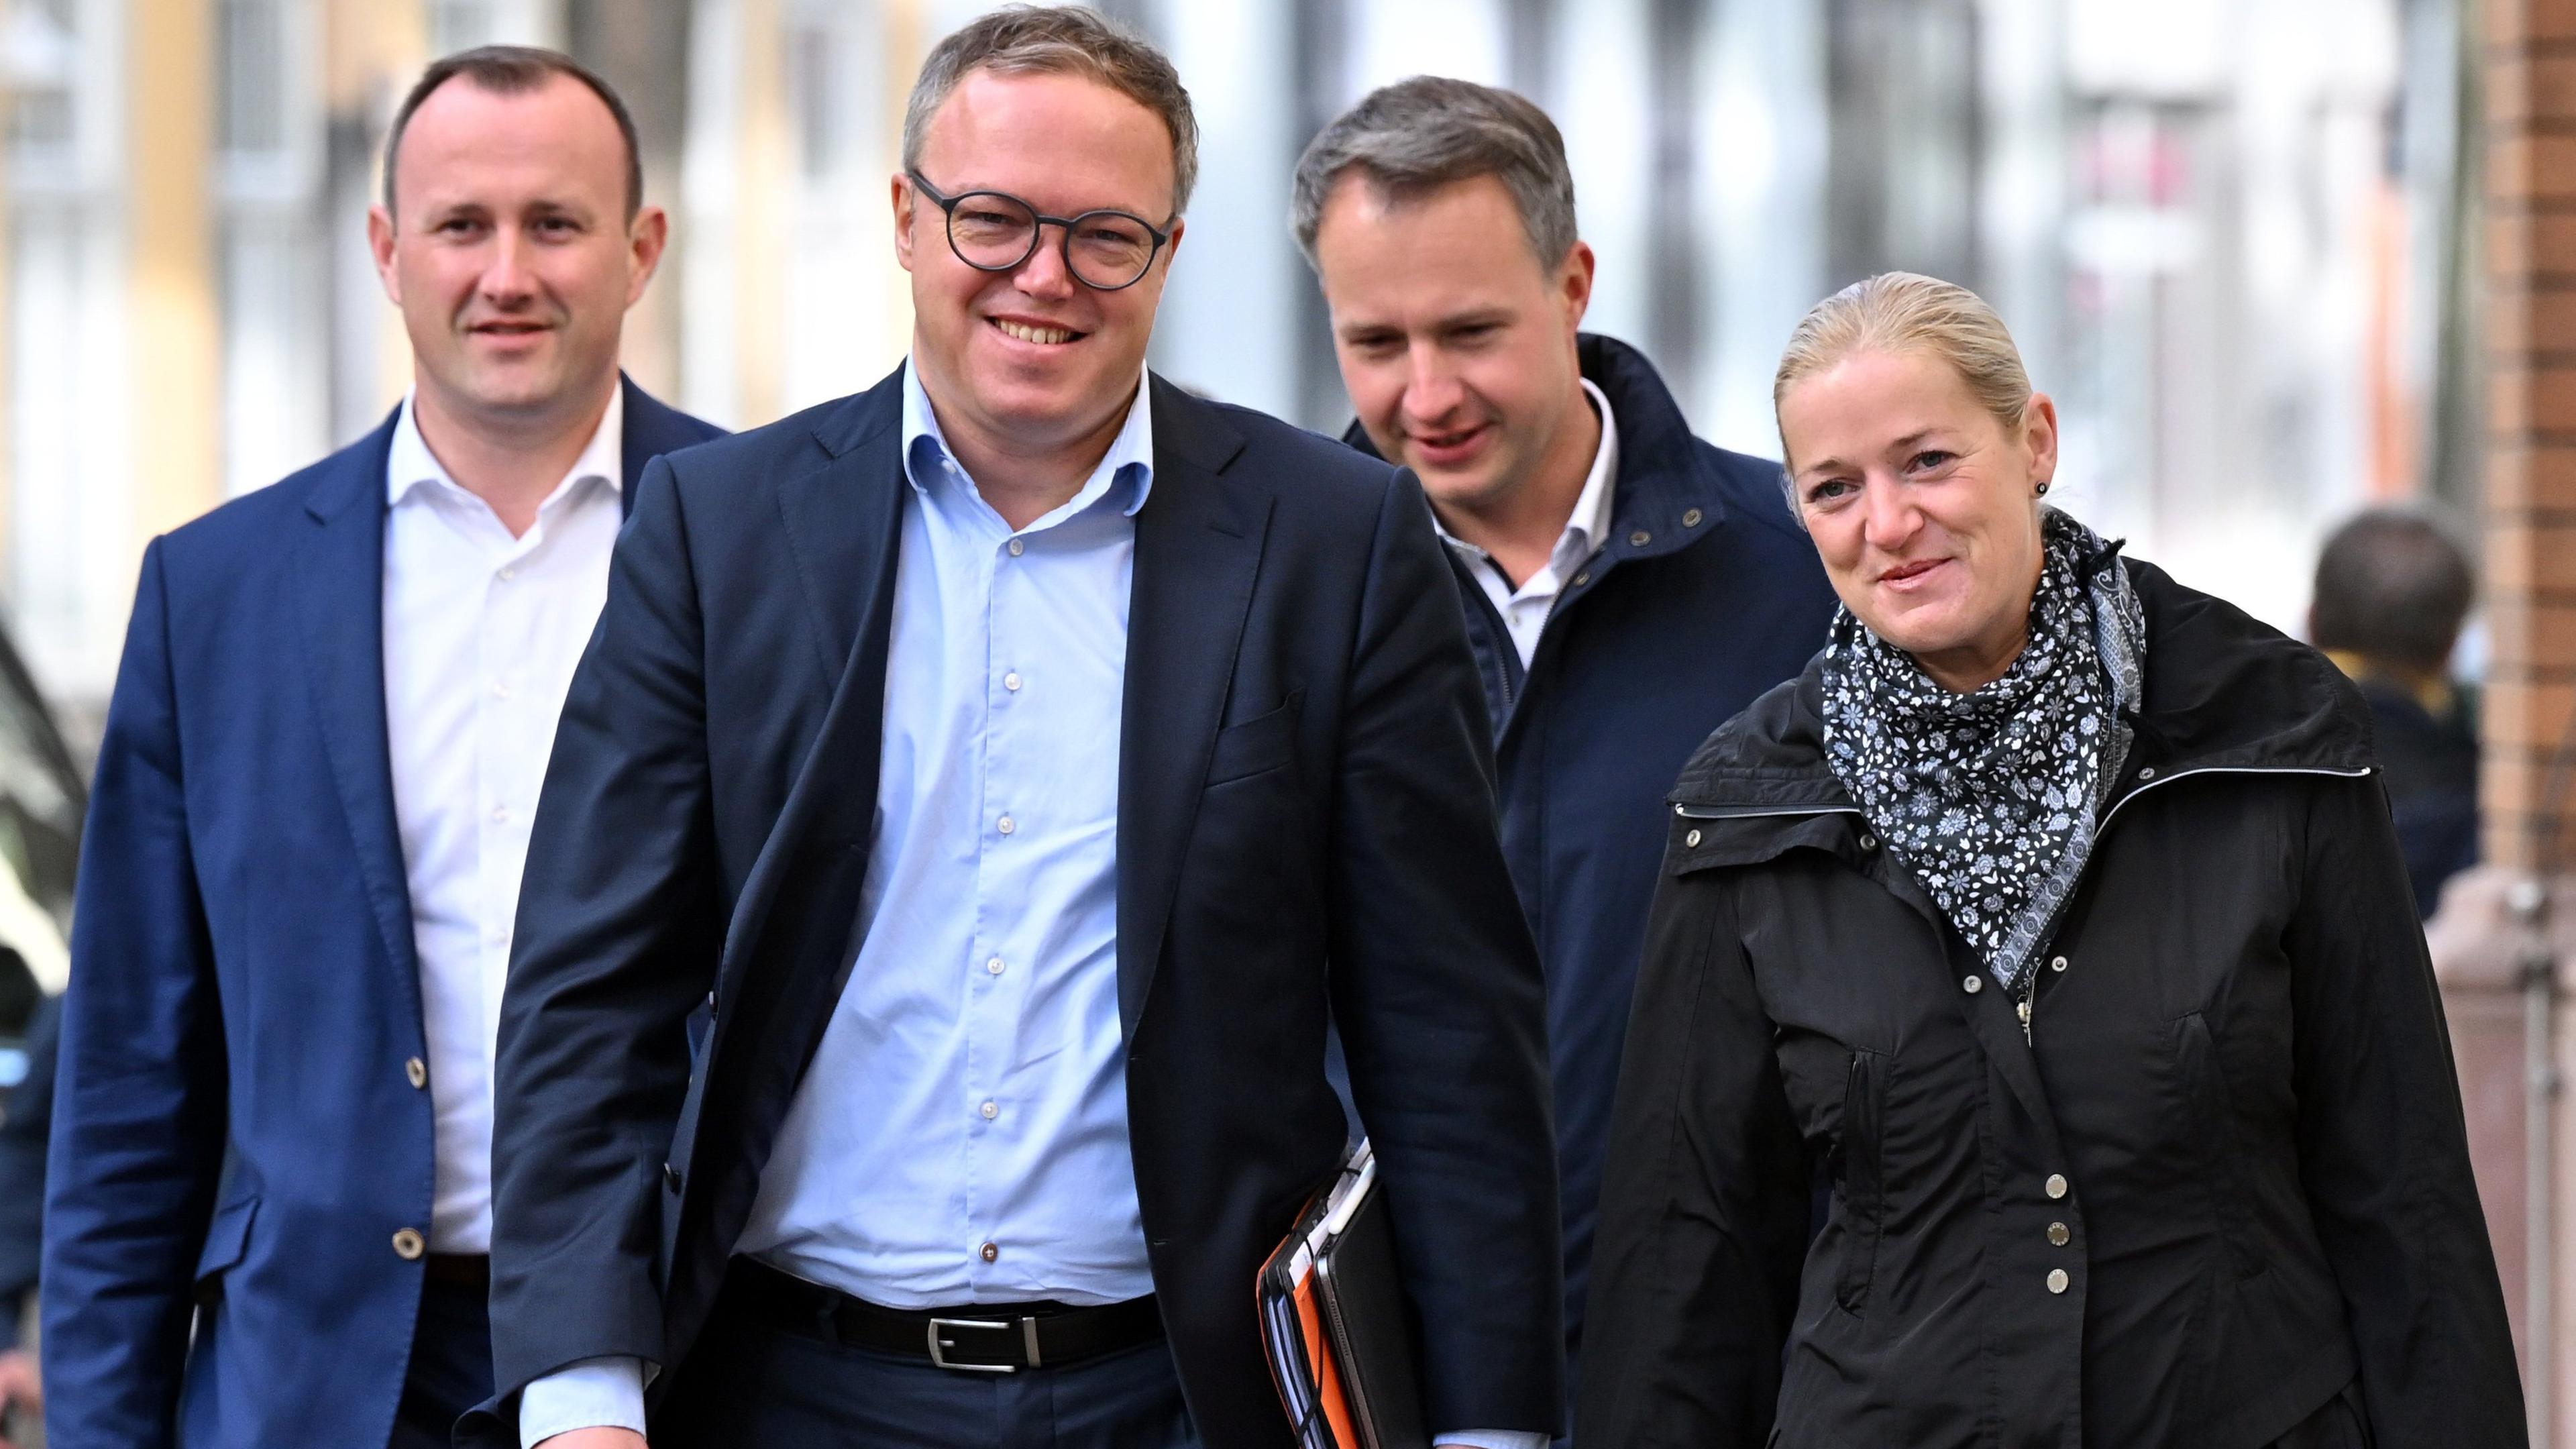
pixel 1992 797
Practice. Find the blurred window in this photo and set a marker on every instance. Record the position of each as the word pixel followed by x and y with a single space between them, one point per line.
pixel 251 37
pixel 456 25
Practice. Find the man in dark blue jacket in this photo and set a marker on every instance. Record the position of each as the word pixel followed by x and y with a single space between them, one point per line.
pixel 268 1213
pixel 1628 587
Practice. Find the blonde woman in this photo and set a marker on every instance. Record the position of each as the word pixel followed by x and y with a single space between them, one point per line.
pixel 2049 930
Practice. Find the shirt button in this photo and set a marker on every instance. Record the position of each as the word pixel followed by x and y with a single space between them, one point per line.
pixel 2058 1235
pixel 1972 985
pixel 1017 548
pixel 2056 1184
pixel 2057 1280
pixel 1006 825
pixel 1011 682
pixel 500 814
pixel 500 689
pixel 408 1245
pixel 2057 964
pixel 989 1251
pixel 994 966
pixel 990 1110
pixel 508 574
pixel 416 1072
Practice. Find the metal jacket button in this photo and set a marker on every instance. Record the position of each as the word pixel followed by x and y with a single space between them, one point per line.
pixel 2057 964
pixel 1973 985
pixel 1691 839
pixel 2058 1235
pixel 2057 1280
pixel 416 1072
pixel 2056 1184
pixel 408 1245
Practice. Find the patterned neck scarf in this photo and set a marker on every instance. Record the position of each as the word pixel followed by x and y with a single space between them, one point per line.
pixel 1991 798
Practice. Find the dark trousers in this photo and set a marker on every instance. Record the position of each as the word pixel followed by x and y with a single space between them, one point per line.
pixel 451 1366
pixel 748 1383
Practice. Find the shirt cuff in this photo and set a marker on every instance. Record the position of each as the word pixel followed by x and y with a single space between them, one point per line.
pixel 596 1393
pixel 1493 1439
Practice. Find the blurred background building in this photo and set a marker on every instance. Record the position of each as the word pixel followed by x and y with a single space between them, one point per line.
pixel 2228 232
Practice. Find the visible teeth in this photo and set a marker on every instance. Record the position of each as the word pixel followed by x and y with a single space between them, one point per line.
pixel 1050 336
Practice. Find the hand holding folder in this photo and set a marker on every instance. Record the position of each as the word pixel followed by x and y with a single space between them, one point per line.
pixel 1333 1317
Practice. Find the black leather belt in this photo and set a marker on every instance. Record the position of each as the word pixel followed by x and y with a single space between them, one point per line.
pixel 987 1338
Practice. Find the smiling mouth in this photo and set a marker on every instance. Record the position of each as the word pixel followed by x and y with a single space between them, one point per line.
pixel 1908 572
pixel 1042 336
pixel 1449 442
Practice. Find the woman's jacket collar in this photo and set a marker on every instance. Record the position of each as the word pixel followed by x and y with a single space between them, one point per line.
pixel 2223 693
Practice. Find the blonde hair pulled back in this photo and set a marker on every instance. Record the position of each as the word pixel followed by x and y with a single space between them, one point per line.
pixel 1908 312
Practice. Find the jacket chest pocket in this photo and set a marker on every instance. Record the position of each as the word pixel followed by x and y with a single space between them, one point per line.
pixel 1257 746
pixel 1862 1181
pixel 2212 1104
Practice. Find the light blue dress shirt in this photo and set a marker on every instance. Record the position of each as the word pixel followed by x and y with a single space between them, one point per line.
pixel 961 1134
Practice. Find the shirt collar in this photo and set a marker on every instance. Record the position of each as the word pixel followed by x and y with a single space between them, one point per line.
pixel 1129 461
pixel 410 464
pixel 1589 524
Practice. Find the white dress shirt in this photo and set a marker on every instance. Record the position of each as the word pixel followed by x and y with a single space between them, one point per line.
pixel 481 633
pixel 961 1134
pixel 1525 609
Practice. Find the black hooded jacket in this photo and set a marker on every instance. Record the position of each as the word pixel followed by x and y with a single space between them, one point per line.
pixel 2219 1196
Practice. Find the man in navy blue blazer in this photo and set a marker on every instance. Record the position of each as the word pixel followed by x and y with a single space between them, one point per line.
pixel 268 1215
pixel 1021 761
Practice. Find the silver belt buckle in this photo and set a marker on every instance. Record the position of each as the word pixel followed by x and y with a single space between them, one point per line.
pixel 988 1325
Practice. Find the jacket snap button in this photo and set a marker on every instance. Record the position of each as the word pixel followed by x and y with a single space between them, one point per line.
pixel 2057 964
pixel 416 1072
pixel 2147 772
pixel 1973 985
pixel 2058 1235
pixel 408 1246
pixel 1582 578
pixel 2057 1280
pixel 2056 1184
pixel 1640 539
pixel 1869 842
pixel 1691 839
pixel 1691 518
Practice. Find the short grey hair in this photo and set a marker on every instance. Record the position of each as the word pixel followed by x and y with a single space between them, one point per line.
pixel 1059 40
pixel 1418 135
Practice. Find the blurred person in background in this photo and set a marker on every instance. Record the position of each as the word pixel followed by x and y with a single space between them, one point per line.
pixel 269 1205
pixel 2053 918
pixel 1023 760
pixel 2392 591
pixel 1627 586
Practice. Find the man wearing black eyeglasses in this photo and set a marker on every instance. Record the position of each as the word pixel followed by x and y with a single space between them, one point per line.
pixel 1021 762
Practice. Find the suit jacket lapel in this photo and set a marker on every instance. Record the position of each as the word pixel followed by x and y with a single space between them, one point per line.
pixel 340 574
pixel 651 430
pixel 1198 550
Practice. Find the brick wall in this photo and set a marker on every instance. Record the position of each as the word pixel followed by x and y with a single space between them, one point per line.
pixel 2530 565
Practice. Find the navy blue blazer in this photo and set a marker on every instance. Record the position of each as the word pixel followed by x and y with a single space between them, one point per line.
pixel 233 1123
pixel 1305 830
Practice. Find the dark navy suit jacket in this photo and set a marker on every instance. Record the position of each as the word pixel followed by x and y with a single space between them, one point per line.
pixel 1305 830
pixel 233 1125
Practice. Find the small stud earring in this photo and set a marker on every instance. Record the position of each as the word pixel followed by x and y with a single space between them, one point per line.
pixel 2043 490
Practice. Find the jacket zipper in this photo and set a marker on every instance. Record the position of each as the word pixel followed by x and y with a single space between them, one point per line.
pixel 2026 1006
pixel 2029 1002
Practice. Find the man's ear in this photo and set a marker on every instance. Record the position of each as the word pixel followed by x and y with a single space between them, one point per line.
pixel 645 241
pixel 905 199
pixel 1574 282
pixel 380 246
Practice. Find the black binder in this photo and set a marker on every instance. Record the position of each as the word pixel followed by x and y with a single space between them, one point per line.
pixel 1333 1316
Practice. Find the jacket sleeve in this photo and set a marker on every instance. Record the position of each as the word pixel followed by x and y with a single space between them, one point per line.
pixel 1437 994
pixel 619 925
pixel 2383 1149
pixel 138 1131
pixel 1704 1206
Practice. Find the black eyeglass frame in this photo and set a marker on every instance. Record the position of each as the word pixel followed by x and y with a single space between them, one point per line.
pixel 1037 233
